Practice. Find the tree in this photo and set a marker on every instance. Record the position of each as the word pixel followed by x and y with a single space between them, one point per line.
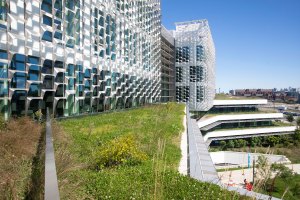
pixel 255 141
pixel 230 144
pixel 223 145
pixel 298 122
pixel 296 137
pixel 240 143
pixel 273 140
pixel 282 171
pixel 290 118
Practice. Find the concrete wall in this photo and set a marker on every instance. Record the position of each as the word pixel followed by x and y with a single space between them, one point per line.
pixel 241 158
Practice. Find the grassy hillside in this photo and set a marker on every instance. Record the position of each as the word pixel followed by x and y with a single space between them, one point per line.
pixel 127 155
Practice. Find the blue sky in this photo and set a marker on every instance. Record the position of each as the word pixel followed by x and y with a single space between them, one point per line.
pixel 257 41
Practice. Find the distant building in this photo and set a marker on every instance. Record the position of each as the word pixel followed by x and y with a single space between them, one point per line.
pixel 284 95
pixel 264 93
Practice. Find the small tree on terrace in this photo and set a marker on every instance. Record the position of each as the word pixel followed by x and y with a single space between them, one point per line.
pixel 298 122
pixel 290 118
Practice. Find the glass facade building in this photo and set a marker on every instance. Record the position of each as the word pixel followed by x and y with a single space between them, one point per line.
pixel 78 56
pixel 167 66
pixel 195 65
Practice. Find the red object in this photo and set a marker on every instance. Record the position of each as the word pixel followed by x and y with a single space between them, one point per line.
pixel 249 186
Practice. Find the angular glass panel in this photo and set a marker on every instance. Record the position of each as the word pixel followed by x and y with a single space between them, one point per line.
pixel 3 88
pixel 70 70
pixel 47 20
pixel 19 80
pixel 34 73
pixel 3 54
pixel 47 6
pixel 87 73
pixel 18 62
pixel 58 35
pixel 3 70
pixel 47 36
pixel 47 67
pixel 34 90
pixel 70 4
pixel 71 84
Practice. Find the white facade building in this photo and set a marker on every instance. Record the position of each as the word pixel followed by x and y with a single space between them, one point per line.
pixel 195 65
pixel 78 56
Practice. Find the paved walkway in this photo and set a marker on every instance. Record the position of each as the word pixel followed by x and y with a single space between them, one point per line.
pixel 237 176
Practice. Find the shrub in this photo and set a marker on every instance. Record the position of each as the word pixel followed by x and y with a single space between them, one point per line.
pixel 282 171
pixel 290 118
pixel 230 144
pixel 119 151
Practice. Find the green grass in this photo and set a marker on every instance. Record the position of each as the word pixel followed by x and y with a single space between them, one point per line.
pixel 229 97
pixel 156 130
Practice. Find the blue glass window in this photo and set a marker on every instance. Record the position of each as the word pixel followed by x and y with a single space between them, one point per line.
pixel 47 36
pixel 87 85
pixel 70 29
pixel 95 92
pixel 33 60
pixel 59 77
pixel 101 54
pixel 34 90
pixel 79 78
pixel 58 35
pixel 95 80
pixel 3 88
pixel 33 73
pixel 96 13
pixel 60 91
pixel 19 80
pixel 3 70
pixel 71 83
pixel 47 6
pixel 87 73
pixel 47 67
pixel 48 82
pixel 108 92
pixel 77 15
pixel 79 68
pixel 58 5
pixel 101 21
pixel 59 64
pixel 3 54
pixel 80 90
pixel 95 70
pixel 70 43
pixel 18 62
pixel 58 24
pixel 47 20
pixel 70 70
pixel 70 4
pixel 70 16
pixel 199 53
pixel 3 10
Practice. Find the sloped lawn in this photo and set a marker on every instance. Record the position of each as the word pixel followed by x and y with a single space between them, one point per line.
pixel 131 154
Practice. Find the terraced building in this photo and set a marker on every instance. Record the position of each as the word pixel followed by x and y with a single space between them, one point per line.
pixel 78 56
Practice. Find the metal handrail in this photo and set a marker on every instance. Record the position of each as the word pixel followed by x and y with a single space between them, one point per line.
pixel 51 184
